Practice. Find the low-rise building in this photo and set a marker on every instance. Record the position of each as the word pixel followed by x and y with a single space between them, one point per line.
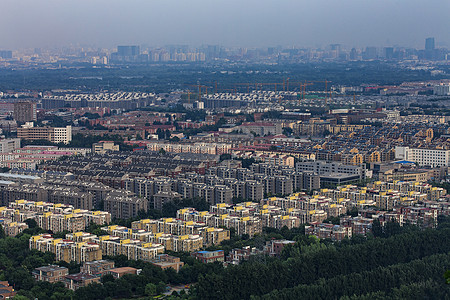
pixel 275 247
pixel 50 273
pixel 165 261
pixel 209 256
pixel 6 291
pixel 328 231
pixel 97 268
pixel 104 146
pixel 75 281
pixel 52 134
pixel 119 272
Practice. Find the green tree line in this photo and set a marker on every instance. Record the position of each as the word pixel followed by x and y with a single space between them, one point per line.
pixel 381 279
pixel 257 278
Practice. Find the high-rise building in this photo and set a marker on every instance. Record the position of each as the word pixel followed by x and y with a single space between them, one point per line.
pixel 126 54
pixel 336 48
pixel 388 52
pixel 429 43
pixel 25 111
pixel 128 50
pixel 5 54
pixel 353 54
pixel 370 53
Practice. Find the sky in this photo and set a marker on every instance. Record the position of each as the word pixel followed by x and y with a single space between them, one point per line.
pixel 232 23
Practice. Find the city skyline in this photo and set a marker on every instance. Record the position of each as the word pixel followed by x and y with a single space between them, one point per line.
pixel 253 24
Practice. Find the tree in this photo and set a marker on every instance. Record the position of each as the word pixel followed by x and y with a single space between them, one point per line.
pixel 161 287
pixel 107 278
pixel 151 289
pixel 287 131
pixel 225 156
pixel 160 133
pixel 2 232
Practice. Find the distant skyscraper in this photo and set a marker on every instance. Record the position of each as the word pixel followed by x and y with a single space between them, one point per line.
pixel 388 52
pixel 128 50
pixel 126 54
pixel 370 53
pixel 429 43
pixel 5 54
pixel 353 54
pixel 335 47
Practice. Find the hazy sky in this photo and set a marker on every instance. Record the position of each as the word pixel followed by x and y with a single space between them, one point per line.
pixel 247 23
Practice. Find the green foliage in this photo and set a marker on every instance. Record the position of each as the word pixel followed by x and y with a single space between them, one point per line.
pixel 381 279
pixel 247 162
pixel 150 289
pixel 72 266
pixel 225 156
pixel 304 265
pixel 61 234
pixel 2 232
pixel 83 141
pixel 95 229
pixel 4 169
pixel 17 261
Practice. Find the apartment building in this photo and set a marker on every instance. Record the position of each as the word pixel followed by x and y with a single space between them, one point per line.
pixel 12 228
pixel 322 167
pixel 25 111
pixel 133 249
pixel 124 205
pixel 66 250
pixel 9 145
pixel 41 212
pixel 208 148
pixel 261 128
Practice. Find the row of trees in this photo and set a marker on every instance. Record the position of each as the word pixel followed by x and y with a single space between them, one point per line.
pixel 427 271
pixel 306 265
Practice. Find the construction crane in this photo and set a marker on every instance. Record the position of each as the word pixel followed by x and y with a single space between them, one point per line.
pixel 189 97
pixel 326 88
pixel 200 87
